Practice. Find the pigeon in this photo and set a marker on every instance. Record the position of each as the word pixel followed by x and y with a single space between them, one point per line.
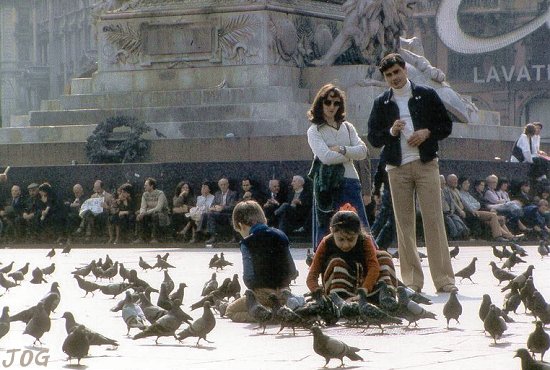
pixel 87 286
pixel 37 276
pixel 538 341
pixel 349 310
pixel 293 301
pixel 166 325
pixel 144 265
pixel 97 271
pixel 330 348
pixel 454 252
pixel 309 257
pixel 39 324
pixel 386 298
pixel 222 262
pixel 163 299
pixel 152 312
pixel 468 271
pixel 84 271
pixel 123 272
pixel 497 253
pixel 6 269
pixel 5 283
pixel 76 344
pixel 179 293
pixel 52 298
pixel 94 339
pixel 284 315
pixel 169 282
pixel 213 260
pixel 48 270
pixel 416 297
pixel 234 287
pixel 528 363
pixel 257 311
pixel 165 256
pixel 23 316
pixel 210 285
pixel 484 309
pixel 132 314
pixel 520 279
pixel 512 261
pixel 24 269
pixel 512 300
pixel 505 252
pixel 201 326
pixel 66 250
pixel 410 310
pixel 319 308
pixel 114 289
pixel 162 264
pixel 494 324
pixel 5 321
pixel 500 274
pixel 518 249
pixel 540 309
pixel 526 293
pixel 118 307
pixel 107 264
pixel 372 315
pixel 17 276
pixel 452 308
pixel 111 272
pixel 51 253
pixel 543 249
pixel 139 283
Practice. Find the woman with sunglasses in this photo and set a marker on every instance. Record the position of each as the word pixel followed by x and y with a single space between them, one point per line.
pixel 335 145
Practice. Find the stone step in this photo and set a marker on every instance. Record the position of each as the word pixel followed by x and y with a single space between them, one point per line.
pixel 50 105
pixel 254 111
pixel 142 99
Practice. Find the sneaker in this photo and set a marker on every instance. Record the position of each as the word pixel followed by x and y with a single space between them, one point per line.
pixel 447 288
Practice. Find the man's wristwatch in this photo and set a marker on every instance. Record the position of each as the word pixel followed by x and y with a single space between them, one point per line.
pixel 342 150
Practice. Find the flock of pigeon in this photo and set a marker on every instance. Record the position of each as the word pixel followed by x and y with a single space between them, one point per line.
pixel 142 316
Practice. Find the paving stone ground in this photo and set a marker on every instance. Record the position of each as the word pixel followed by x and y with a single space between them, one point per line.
pixel 241 346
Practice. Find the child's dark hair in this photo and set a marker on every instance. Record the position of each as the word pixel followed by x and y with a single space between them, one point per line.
pixel 346 221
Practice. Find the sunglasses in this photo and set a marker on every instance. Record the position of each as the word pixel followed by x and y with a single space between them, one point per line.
pixel 329 102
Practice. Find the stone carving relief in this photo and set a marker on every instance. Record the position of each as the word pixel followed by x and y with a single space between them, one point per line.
pixel 124 44
pixel 235 38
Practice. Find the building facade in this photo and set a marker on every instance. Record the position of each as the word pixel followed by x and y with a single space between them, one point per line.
pixel 43 44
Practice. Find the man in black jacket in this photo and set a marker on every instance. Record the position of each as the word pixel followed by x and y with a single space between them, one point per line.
pixel 408 120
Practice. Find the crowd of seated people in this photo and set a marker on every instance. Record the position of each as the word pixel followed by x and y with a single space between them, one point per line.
pixel 135 213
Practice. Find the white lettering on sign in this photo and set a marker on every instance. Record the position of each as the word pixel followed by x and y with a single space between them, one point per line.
pixel 512 73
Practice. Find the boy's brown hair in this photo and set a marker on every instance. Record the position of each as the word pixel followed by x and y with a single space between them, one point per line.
pixel 248 213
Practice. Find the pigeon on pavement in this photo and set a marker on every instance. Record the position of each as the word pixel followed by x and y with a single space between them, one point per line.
pixel 48 270
pixel 114 289
pixel 5 283
pixel 372 315
pixel 162 264
pixel 494 324
pixel 5 321
pixel 169 282
pixel 500 274
pixel 528 363
pixel 257 311
pixel 52 298
pixel 37 276
pixel 76 344
pixel 330 348
pixel 165 326
pixel 132 314
pixel 201 327
pixel 512 300
pixel 85 285
pixel 179 293
pixel 538 341
pixel 39 324
pixel 543 249
pixel 210 285
pixel 144 265
pixel 84 271
pixel 454 252
pixel 520 279
pixel 213 260
pixel 94 338
pixel 152 312
pixel 452 308
pixel 234 287
pixel 51 253
pixel 468 271
pixel 410 310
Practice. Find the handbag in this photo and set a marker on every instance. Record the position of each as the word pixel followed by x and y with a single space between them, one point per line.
pixel 517 152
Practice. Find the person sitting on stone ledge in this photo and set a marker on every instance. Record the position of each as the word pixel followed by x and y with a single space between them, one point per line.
pixel 296 211
pixel 52 218
pixel 72 210
pixel 123 213
pixel 220 212
pixel 182 202
pixel 153 214
pixel 12 215
pixel 96 220
pixel 249 191
pixel 31 215
pixel 452 215
pixel 276 197
pixel 196 213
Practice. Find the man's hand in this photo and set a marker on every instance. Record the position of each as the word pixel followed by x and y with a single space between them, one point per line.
pixel 418 137
pixel 140 216
pixel 397 127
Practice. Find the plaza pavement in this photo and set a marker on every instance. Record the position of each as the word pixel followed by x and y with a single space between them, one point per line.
pixel 241 346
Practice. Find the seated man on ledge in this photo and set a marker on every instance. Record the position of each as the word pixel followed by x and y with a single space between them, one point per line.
pixel 153 213
pixel 220 212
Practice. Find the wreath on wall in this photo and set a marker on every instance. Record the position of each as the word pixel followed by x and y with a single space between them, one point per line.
pixel 132 149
